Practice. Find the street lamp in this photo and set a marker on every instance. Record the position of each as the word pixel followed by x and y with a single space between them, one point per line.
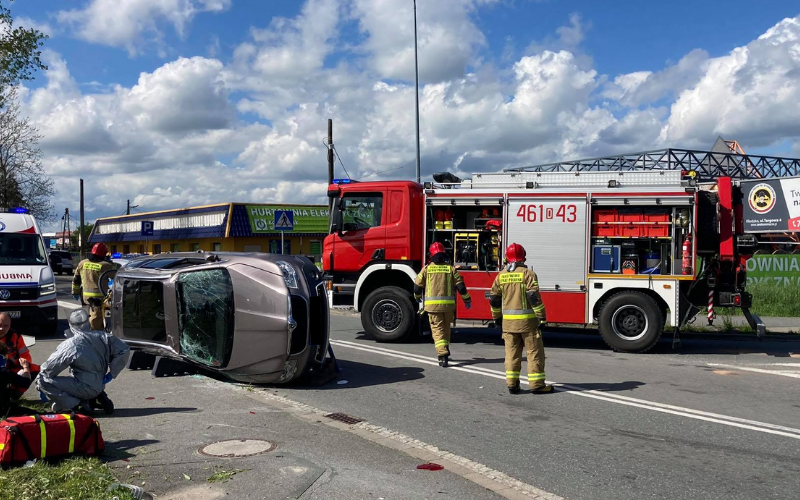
pixel 416 78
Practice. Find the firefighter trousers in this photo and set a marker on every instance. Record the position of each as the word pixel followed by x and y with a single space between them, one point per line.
pixel 532 341
pixel 440 330
pixel 97 321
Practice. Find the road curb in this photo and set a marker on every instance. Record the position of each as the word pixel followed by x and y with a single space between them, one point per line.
pixel 496 481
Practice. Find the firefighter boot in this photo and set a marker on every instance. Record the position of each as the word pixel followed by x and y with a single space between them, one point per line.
pixel 513 389
pixel 443 361
pixel 543 390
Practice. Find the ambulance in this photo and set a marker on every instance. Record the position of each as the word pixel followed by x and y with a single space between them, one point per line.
pixel 27 283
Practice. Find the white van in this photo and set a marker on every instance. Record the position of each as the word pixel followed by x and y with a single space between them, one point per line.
pixel 27 284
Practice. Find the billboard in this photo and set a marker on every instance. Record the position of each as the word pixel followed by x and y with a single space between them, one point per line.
pixel 305 219
pixel 771 205
pixel 777 270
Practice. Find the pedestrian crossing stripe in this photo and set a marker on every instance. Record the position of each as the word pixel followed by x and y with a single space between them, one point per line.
pixel 284 221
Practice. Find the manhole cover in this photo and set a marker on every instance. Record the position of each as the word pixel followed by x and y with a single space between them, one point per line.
pixel 341 417
pixel 236 448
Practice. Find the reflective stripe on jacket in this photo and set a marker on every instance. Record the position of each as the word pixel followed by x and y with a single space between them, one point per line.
pixel 515 297
pixel 87 276
pixel 440 283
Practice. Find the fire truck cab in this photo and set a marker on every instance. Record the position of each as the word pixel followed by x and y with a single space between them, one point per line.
pixel 633 251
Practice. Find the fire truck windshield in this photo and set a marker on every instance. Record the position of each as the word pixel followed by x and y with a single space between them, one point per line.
pixel 359 212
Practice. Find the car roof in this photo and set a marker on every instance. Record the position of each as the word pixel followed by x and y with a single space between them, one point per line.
pixel 18 223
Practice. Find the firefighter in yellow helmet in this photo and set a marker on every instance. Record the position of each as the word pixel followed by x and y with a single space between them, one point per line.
pixel 518 309
pixel 87 282
pixel 439 281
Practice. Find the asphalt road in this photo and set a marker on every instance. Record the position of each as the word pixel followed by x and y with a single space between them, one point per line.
pixel 710 419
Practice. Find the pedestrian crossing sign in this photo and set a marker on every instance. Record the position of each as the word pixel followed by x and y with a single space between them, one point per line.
pixel 284 220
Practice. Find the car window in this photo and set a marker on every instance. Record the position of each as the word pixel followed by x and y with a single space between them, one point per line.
pixel 143 310
pixel 205 315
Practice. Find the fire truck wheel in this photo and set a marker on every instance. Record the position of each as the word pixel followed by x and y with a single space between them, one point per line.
pixel 388 314
pixel 631 322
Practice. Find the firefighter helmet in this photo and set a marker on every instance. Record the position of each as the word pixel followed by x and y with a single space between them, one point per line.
pixel 99 249
pixel 436 248
pixel 515 253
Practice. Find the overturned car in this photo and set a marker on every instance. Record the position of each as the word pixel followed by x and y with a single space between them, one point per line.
pixel 251 317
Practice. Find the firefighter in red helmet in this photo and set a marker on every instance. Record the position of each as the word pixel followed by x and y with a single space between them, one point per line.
pixel 439 281
pixel 87 282
pixel 518 309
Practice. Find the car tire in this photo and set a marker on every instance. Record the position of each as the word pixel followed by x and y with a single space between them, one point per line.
pixel 631 322
pixel 389 315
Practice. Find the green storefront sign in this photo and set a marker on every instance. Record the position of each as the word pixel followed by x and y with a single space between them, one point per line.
pixel 781 270
pixel 307 219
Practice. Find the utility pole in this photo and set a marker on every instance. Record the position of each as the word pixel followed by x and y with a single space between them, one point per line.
pixel 128 210
pixel 416 79
pixel 80 231
pixel 330 159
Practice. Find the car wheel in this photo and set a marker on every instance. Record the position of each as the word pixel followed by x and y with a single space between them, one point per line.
pixel 631 322
pixel 388 314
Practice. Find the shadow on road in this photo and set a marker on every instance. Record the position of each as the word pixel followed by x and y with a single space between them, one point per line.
pixel 602 387
pixel 144 412
pixel 120 450
pixel 364 375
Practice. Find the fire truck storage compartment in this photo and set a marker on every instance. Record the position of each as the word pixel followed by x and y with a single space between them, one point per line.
pixel 469 229
pixel 553 232
pixel 639 240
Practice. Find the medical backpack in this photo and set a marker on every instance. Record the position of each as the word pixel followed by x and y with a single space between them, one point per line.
pixel 48 435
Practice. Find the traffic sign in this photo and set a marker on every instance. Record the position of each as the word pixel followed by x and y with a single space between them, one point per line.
pixel 147 228
pixel 284 220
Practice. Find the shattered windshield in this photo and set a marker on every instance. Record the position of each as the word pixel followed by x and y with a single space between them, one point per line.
pixel 205 315
pixel 143 310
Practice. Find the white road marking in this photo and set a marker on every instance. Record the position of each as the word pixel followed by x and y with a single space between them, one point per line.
pixel 593 394
pixel 69 305
pixel 758 370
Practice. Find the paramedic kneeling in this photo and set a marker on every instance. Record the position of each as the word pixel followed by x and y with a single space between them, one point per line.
pixel 93 357
pixel 16 356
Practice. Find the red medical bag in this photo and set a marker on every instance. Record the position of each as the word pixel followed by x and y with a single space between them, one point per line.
pixel 48 435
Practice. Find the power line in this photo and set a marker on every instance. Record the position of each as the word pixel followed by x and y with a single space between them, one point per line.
pixel 340 162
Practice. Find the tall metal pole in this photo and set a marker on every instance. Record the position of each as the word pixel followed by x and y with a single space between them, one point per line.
pixel 416 78
pixel 80 231
pixel 128 210
pixel 330 159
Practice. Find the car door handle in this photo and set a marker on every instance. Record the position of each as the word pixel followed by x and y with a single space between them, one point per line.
pixel 379 254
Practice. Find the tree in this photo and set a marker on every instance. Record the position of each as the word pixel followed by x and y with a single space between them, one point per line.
pixel 23 181
pixel 87 231
pixel 20 53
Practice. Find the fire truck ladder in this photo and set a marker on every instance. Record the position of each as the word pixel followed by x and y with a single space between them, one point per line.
pixel 707 164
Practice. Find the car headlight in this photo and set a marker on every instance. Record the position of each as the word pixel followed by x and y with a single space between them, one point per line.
pixel 289 274
pixel 47 289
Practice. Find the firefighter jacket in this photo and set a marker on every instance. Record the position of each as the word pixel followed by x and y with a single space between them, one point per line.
pixel 17 349
pixel 515 298
pixel 87 274
pixel 439 283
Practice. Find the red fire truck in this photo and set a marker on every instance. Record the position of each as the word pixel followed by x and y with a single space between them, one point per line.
pixel 635 243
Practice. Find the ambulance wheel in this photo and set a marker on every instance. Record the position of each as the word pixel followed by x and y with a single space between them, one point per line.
pixel 388 314
pixel 631 322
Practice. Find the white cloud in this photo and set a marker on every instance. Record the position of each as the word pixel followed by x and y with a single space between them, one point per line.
pixel 447 37
pixel 751 95
pixel 28 23
pixel 176 138
pixel 132 23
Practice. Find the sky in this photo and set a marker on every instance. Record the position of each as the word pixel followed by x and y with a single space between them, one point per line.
pixel 177 103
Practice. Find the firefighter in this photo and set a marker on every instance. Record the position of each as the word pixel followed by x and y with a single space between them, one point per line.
pixel 518 309
pixel 87 276
pixel 438 280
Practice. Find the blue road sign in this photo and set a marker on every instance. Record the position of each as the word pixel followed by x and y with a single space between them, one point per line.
pixel 147 228
pixel 284 220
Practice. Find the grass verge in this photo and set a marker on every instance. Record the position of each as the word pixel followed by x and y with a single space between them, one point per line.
pixel 770 299
pixel 75 478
